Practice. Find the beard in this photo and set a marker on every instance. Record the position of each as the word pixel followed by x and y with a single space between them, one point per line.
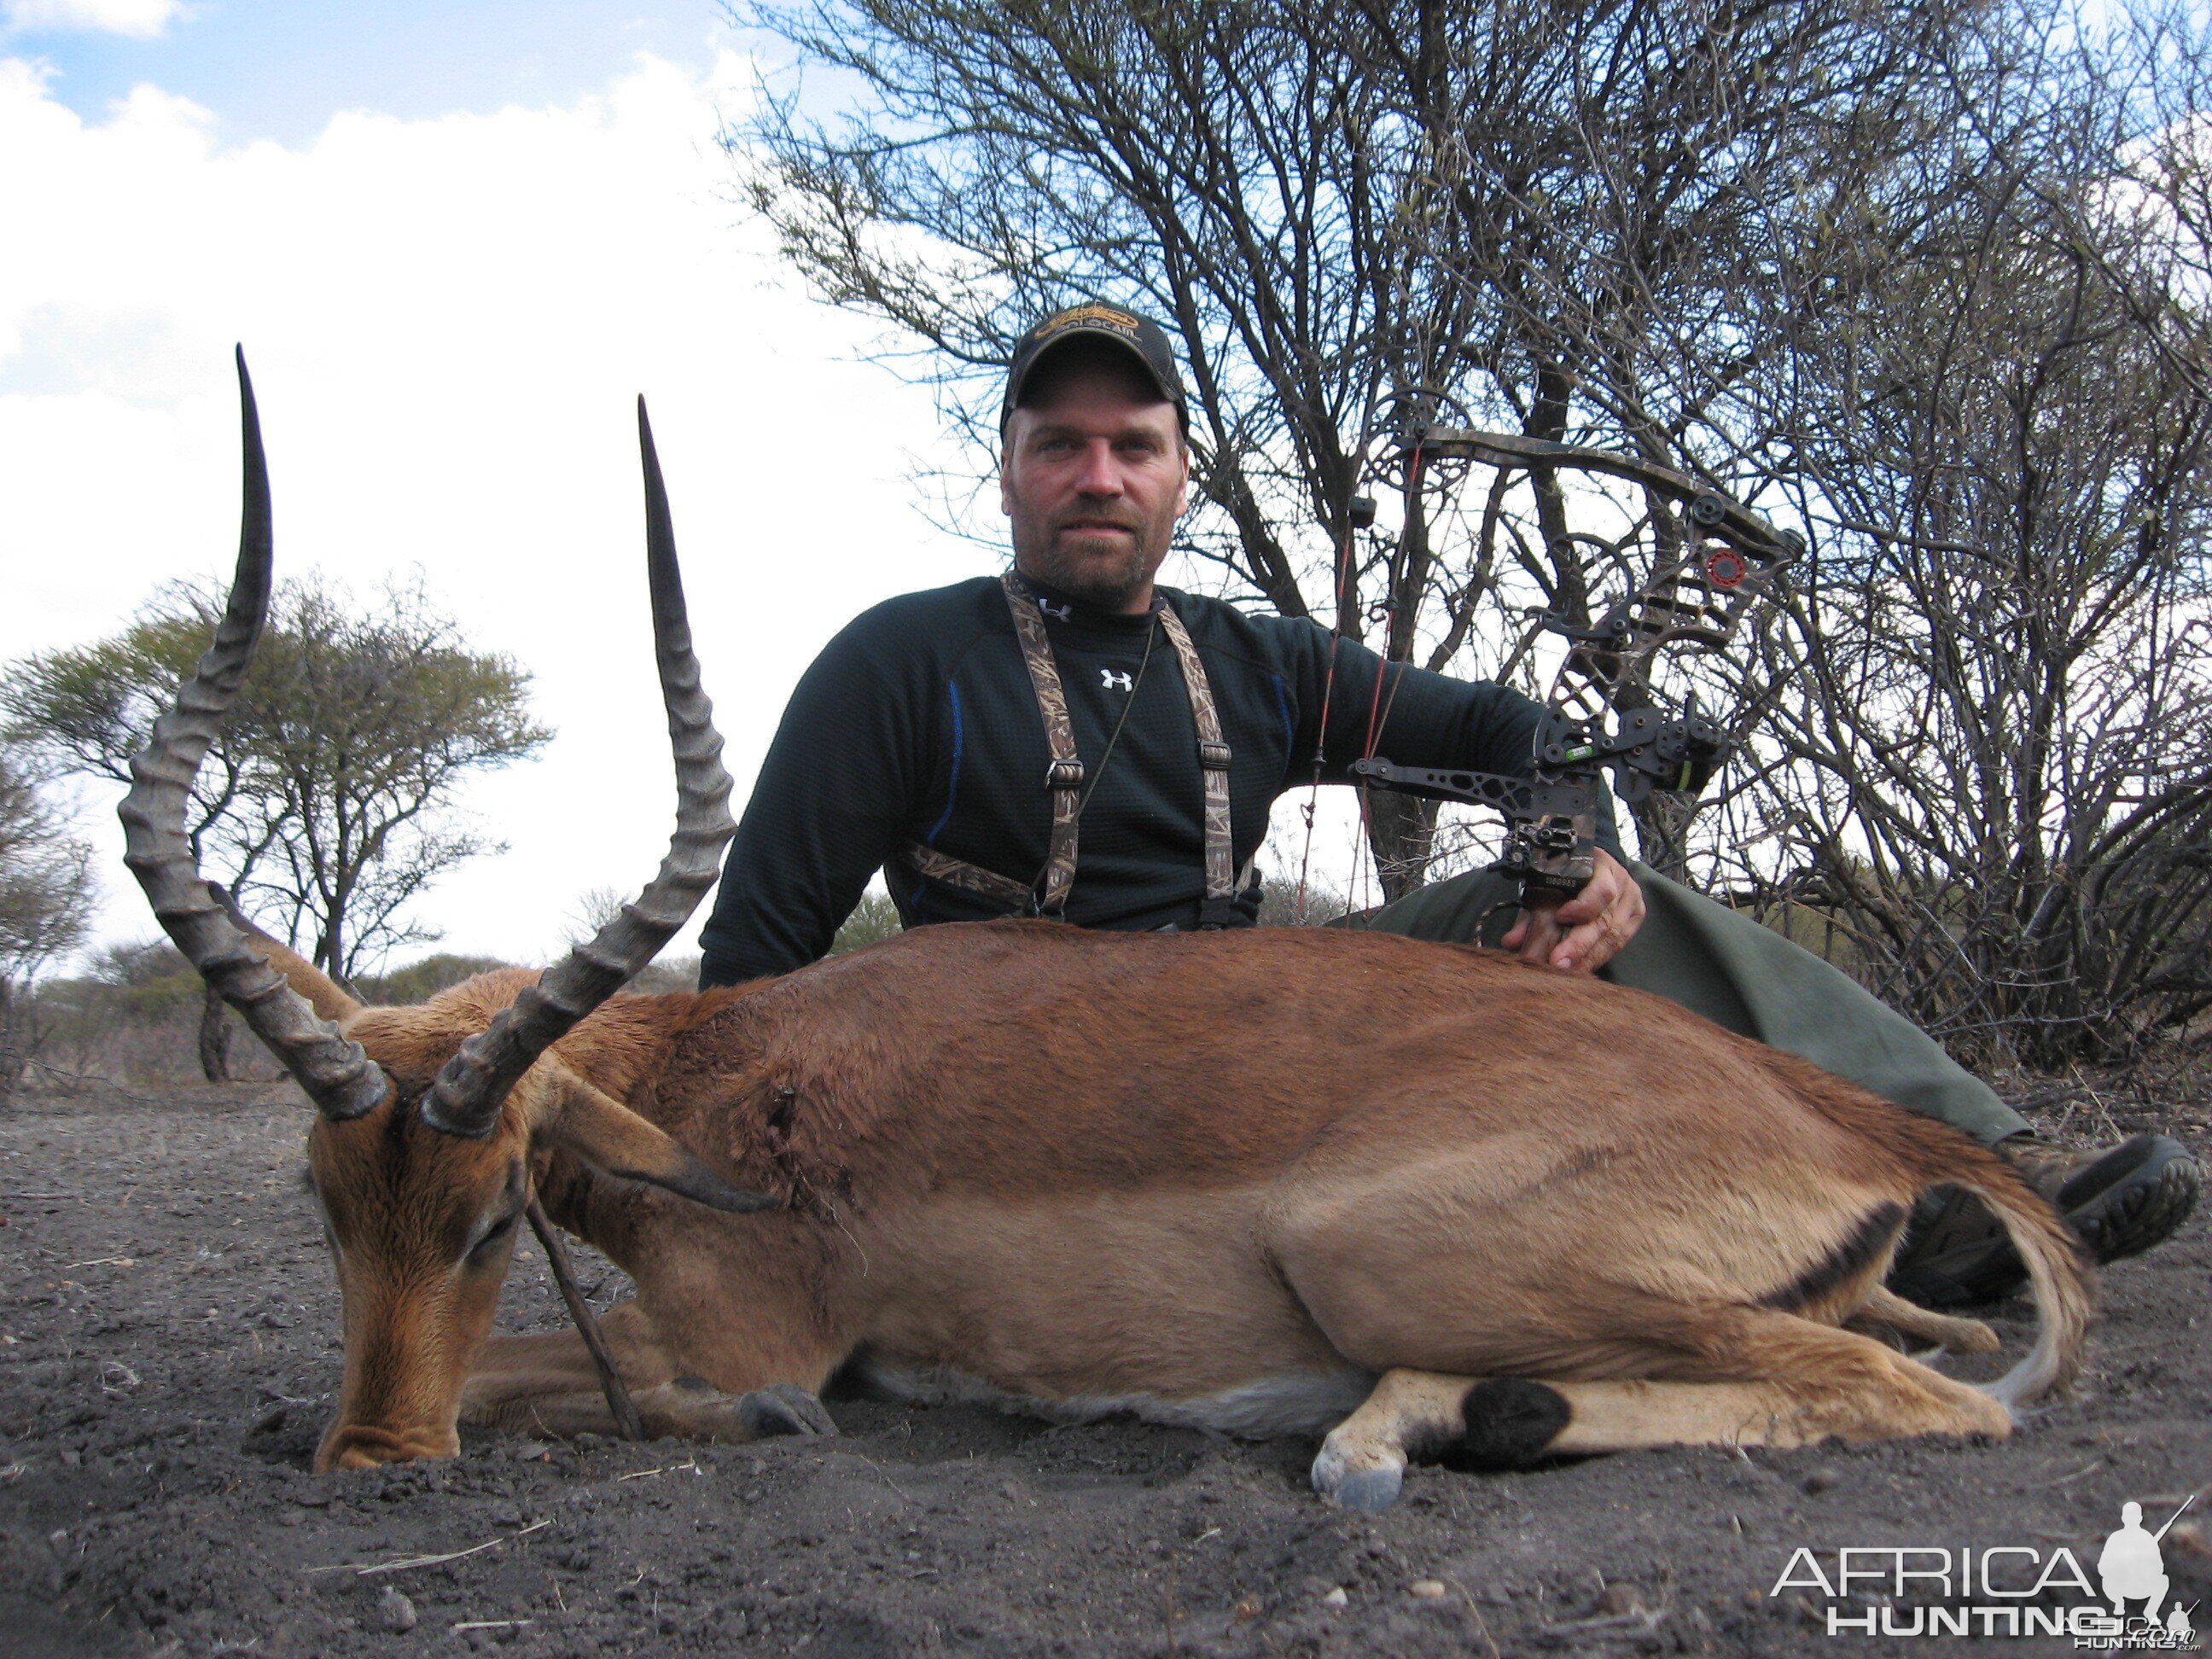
pixel 1103 571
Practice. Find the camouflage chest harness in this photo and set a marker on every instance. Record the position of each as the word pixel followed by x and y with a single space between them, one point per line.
pixel 1047 896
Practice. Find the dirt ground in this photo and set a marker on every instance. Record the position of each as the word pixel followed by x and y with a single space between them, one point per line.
pixel 169 1352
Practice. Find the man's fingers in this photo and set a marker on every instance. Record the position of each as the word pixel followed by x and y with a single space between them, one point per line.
pixel 1590 947
pixel 1586 949
pixel 1536 933
pixel 1581 933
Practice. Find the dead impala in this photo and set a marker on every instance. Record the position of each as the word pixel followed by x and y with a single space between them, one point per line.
pixel 1275 1181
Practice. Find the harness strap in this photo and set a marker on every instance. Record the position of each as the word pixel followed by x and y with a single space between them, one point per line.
pixel 972 877
pixel 1219 910
pixel 1064 778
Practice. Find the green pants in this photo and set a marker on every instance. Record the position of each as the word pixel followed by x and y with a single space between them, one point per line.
pixel 1725 966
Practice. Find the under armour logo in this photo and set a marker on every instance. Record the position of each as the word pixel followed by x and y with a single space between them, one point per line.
pixel 1062 611
pixel 1110 681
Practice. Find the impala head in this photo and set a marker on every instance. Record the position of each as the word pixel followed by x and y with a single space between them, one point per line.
pixel 426 1118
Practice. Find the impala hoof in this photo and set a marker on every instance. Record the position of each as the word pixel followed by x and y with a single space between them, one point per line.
pixel 1369 1489
pixel 784 1408
pixel 1357 1485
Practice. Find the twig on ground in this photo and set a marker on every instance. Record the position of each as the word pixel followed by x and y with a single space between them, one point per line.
pixel 887 1480
pixel 2068 1480
pixel 370 1569
pixel 664 1468
pixel 1644 1619
pixel 1481 1625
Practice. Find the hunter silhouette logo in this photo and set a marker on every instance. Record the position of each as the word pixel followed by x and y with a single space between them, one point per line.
pixel 1110 681
pixel 2132 1567
pixel 2005 1591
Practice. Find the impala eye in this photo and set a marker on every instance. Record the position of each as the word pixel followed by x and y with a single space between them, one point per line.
pixel 494 1236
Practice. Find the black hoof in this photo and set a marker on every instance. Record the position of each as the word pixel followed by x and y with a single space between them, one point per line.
pixel 784 1408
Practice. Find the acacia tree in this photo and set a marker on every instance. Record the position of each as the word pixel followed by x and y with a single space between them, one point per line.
pixel 1995 769
pixel 45 904
pixel 1561 220
pixel 326 802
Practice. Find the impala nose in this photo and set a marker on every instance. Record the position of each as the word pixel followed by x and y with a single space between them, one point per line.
pixel 367 1446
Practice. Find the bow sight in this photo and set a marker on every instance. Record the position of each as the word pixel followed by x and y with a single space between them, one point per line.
pixel 1715 558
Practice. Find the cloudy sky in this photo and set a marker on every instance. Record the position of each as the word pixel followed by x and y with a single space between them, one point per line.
pixel 456 240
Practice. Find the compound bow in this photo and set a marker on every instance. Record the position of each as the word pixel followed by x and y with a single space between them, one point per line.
pixel 1715 558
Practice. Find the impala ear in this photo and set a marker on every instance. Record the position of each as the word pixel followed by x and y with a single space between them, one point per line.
pixel 606 1134
pixel 322 992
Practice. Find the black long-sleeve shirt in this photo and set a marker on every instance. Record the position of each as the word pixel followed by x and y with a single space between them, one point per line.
pixel 918 723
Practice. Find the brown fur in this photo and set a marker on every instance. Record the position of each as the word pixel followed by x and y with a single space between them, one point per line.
pixel 1094 1167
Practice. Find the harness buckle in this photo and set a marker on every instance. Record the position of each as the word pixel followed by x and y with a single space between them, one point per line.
pixel 1214 757
pixel 1064 775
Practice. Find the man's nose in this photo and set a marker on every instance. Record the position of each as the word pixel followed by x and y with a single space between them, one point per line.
pixel 1098 476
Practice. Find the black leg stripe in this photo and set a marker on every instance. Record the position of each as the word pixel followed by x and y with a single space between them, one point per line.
pixel 1509 1423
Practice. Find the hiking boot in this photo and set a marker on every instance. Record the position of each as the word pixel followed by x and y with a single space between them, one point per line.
pixel 2118 1202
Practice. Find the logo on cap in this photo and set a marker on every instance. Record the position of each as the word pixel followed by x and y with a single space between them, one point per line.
pixel 1087 316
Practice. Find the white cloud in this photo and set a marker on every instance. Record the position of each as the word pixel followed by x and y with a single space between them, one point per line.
pixel 141 18
pixel 448 321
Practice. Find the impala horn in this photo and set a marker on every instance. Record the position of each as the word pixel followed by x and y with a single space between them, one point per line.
pixel 336 1075
pixel 466 1097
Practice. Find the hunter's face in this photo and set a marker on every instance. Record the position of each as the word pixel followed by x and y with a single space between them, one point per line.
pixel 1094 475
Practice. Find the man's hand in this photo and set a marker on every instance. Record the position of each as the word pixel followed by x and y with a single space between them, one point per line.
pixel 1587 931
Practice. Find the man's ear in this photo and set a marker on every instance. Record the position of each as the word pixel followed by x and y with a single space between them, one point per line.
pixel 609 1136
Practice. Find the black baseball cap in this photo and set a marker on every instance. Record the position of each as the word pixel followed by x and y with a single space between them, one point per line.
pixel 1143 339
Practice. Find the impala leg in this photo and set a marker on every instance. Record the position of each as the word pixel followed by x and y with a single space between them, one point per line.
pixel 546 1384
pixel 1884 1310
pixel 1763 1379
pixel 685 1409
pixel 1411 1417
pixel 511 1367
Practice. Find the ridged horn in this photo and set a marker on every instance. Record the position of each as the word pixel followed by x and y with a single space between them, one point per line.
pixel 466 1097
pixel 336 1075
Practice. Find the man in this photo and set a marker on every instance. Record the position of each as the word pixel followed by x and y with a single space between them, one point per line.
pixel 1071 741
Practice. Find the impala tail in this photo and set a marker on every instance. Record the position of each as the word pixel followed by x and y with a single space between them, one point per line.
pixel 2058 1269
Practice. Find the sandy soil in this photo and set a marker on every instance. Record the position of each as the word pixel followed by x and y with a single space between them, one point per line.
pixel 169 1349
